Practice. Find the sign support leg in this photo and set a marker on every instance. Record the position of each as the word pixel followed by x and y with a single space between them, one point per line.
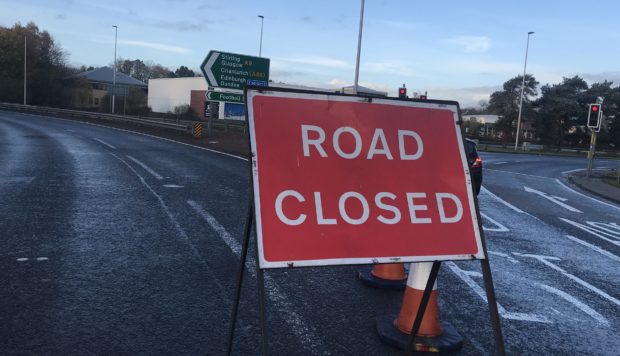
pixel 423 303
pixel 244 254
pixel 493 311
pixel 260 284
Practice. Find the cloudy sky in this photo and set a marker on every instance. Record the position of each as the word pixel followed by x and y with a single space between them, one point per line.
pixel 459 50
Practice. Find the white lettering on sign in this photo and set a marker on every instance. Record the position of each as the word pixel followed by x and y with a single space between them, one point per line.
pixel 413 208
pixel 394 216
pixel 280 213
pixel 378 144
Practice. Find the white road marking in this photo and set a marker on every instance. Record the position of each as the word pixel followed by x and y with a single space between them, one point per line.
pixel 42 258
pixel 146 168
pixel 22 259
pixel 502 162
pixel 499 228
pixel 488 192
pixel 505 255
pixel 104 143
pixel 301 328
pixel 609 237
pixel 172 186
pixel 552 199
pixel 502 311
pixel 519 174
pixel 179 230
pixel 574 301
pixel 585 196
pixel 545 261
pixel 594 247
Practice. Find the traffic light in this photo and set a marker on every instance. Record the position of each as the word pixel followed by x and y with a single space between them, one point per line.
pixel 402 93
pixel 594 115
pixel 423 97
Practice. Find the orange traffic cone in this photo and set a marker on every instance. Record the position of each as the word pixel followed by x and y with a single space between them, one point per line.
pixel 433 336
pixel 385 276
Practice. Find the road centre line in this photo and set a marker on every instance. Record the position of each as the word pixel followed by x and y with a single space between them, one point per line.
pixel 179 230
pixel 574 301
pixel 499 228
pixel 585 196
pixel 594 247
pixel 302 329
pixel 146 168
pixel 104 143
pixel 480 292
pixel 545 261
pixel 520 174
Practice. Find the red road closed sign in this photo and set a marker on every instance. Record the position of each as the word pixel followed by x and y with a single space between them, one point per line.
pixel 341 180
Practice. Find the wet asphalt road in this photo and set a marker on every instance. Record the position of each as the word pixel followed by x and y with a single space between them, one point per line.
pixel 117 243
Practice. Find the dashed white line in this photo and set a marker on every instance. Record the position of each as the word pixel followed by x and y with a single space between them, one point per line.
pixel 519 174
pixel 104 143
pixel 172 186
pixel 301 328
pixel 574 301
pixel 585 196
pixel 22 259
pixel 42 258
pixel 545 261
pixel 146 168
pixel 179 230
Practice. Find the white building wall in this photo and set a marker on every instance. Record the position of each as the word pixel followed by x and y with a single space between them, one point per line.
pixel 166 93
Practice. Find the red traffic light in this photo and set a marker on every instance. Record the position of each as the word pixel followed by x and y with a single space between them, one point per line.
pixel 402 91
pixel 594 108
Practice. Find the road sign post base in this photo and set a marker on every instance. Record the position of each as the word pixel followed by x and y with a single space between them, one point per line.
pixel 449 340
pixel 365 275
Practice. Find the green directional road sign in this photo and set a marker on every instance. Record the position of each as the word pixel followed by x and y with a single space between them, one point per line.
pixel 228 97
pixel 235 71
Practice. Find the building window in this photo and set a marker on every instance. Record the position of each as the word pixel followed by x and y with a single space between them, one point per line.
pixel 96 101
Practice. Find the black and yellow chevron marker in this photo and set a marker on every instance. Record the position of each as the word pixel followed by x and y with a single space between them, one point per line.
pixel 197 130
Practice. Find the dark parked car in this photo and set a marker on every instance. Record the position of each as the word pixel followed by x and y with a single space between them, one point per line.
pixel 475 164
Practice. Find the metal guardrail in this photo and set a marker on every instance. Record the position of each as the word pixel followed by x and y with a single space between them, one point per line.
pixel 181 126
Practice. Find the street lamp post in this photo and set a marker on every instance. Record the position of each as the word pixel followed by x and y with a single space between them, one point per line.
pixel 522 89
pixel 25 70
pixel 359 49
pixel 114 69
pixel 260 48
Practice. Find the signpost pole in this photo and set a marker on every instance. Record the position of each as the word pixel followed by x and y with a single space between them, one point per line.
pixel 244 254
pixel 591 152
pixel 423 303
pixel 260 284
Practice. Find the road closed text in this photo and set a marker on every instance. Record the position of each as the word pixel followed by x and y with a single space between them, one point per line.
pixel 355 209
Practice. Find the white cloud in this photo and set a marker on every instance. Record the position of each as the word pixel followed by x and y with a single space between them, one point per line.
pixel 317 61
pixel 155 45
pixel 471 44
